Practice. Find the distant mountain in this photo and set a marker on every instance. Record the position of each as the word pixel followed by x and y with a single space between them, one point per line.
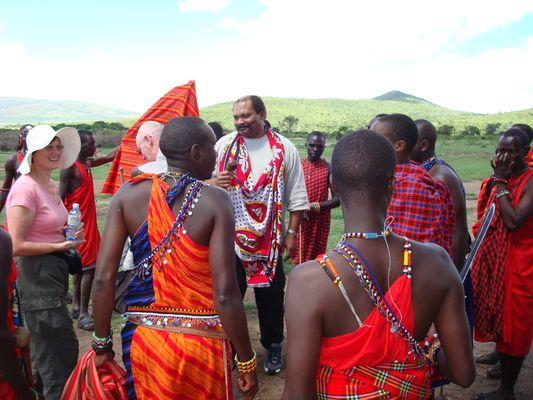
pixel 396 95
pixel 330 115
pixel 15 110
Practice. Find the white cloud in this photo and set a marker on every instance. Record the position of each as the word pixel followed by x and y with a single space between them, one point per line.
pixel 202 5
pixel 299 48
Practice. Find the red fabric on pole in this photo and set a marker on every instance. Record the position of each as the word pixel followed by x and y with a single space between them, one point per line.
pixel 178 102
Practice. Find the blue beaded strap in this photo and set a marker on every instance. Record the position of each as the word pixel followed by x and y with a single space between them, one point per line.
pixel 158 253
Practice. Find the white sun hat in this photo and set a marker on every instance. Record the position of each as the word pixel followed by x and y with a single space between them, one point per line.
pixel 41 136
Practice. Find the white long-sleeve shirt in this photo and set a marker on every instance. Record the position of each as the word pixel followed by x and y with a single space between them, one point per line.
pixel 295 194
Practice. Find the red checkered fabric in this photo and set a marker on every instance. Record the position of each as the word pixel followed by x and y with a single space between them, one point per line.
pixel 421 206
pixel 488 268
pixel 314 230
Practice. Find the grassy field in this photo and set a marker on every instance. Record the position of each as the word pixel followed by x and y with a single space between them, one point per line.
pixel 469 156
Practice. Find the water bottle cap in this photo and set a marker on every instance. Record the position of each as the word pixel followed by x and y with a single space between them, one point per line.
pixel 75 206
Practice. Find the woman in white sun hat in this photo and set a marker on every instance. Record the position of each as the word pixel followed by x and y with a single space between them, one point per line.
pixel 36 218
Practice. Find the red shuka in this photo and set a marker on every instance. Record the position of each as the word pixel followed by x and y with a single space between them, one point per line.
pixel 504 268
pixel 529 157
pixel 315 229
pixel 84 196
pixel 421 206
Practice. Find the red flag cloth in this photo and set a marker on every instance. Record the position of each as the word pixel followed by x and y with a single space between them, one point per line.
pixel 89 383
pixel 178 102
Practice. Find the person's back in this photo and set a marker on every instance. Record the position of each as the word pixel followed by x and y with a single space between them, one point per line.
pixel 333 355
pixel 184 292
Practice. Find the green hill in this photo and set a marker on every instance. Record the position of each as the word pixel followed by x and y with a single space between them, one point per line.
pixel 15 111
pixel 396 95
pixel 330 115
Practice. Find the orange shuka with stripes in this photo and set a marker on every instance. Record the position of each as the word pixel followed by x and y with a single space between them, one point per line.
pixel 171 365
pixel 178 102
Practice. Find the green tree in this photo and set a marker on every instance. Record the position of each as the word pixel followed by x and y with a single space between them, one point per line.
pixel 289 122
pixel 492 128
pixel 446 130
pixel 471 130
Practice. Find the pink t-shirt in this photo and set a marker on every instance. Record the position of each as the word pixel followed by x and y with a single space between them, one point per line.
pixel 49 216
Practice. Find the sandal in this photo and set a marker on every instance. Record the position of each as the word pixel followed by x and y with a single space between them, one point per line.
pixel 86 323
pixel 494 372
pixel 489 358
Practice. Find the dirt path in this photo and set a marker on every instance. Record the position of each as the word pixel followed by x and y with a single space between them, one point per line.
pixel 271 387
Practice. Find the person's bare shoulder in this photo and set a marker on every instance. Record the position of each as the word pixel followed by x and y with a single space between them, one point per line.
pixel 216 197
pixel 445 174
pixel 308 277
pixel 11 164
pixel 431 261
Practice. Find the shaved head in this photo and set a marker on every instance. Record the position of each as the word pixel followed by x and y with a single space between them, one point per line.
pixel 147 129
pixel 362 165
pixel 147 139
pixel 526 129
pixel 189 144
pixel 427 138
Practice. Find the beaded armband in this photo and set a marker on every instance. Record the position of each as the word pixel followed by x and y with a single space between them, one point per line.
pixel 502 193
pixel 247 366
pixel 102 345
pixel 432 346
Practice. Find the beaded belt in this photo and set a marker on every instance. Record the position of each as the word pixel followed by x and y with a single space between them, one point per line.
pixel 194 322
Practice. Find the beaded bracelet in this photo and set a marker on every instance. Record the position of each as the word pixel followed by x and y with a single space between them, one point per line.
pixel 500 180
pixel 247 366
pixel 502 193
pixel 102 345
pixel 315 206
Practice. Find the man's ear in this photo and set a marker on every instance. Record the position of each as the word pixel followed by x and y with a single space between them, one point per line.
pixel 196 152
pixel 399 146
pixel 424 145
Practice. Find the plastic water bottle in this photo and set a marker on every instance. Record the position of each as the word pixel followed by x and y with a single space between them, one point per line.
pixel 73 222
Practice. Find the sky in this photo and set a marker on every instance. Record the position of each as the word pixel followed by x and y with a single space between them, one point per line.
pixel 465 55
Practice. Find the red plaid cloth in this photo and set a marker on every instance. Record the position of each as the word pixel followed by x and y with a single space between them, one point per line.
pixel 314 230
pixel 178 102
pixel 421 206
pixel 489 266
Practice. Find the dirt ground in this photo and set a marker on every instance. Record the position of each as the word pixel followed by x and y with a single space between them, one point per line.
pixel 271 387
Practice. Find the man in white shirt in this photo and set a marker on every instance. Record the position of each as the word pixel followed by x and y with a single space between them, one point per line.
pixel 262 173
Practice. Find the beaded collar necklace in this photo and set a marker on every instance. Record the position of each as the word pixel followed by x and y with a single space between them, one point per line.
pixel 369 283
pixel 165 247
pixel 365 235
